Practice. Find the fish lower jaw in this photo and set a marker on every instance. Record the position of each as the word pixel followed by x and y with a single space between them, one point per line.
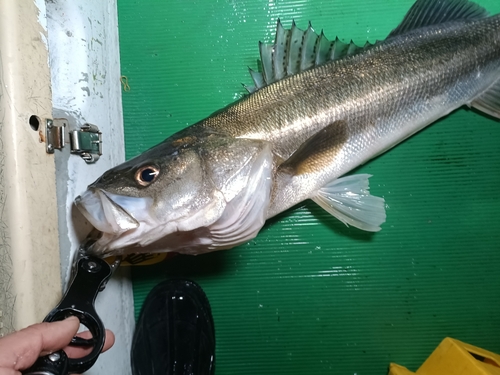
pixel 117 243
pixel 150 236
pixel 240 223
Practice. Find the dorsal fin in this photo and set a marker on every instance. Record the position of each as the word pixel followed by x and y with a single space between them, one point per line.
pixel 433 12
pixel 296 50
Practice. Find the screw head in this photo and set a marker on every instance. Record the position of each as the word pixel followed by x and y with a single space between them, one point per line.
pixel 54 357
pixel 50 148
pixel 91 266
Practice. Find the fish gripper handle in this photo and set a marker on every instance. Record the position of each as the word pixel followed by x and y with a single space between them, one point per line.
pixel 90 278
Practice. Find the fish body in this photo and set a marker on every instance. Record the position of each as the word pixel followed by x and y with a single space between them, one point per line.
pixel 311 119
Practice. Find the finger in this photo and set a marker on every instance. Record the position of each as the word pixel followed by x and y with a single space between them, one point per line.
pixel 9 371
pixel 79 352
pixel 110 340
pixel 20 349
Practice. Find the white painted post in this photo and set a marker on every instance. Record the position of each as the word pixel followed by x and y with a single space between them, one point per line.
pixel 85 71
pixel 30 283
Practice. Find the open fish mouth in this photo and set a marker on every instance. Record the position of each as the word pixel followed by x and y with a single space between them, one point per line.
pixel 122 220
pixel 110 213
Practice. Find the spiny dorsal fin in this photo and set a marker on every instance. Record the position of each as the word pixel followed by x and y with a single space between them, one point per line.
pixel 433 12
pixel 296 50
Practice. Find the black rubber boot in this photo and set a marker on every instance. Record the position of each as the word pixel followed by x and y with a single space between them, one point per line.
pixel 175 332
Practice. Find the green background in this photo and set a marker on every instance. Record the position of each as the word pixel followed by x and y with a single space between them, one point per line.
pixel 310 295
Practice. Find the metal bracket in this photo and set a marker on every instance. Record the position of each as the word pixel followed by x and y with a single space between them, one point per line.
pixel 87 142
pixel 54 134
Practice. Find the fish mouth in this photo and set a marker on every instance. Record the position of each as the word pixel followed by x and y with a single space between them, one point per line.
pixel 122 220
pixel 108 212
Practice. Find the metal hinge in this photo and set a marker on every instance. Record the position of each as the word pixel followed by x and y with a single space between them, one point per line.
pixel 86 142
pixel 54 134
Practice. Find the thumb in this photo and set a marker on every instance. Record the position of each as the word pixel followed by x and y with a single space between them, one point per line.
pixel 21 349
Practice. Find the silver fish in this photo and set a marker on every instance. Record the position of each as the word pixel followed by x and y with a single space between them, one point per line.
pixel 318 110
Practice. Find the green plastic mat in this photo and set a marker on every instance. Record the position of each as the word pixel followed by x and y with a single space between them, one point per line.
pixel 309 295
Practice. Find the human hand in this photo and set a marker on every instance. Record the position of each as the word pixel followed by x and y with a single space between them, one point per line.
pixel 19 350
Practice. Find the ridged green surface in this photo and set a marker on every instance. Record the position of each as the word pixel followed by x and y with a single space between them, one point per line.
pixel 310 296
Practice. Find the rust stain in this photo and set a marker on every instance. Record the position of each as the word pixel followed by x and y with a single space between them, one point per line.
pixel 41 136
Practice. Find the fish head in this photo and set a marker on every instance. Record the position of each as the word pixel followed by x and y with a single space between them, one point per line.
pixel 184 189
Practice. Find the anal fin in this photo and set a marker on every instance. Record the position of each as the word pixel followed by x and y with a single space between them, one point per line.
pixel 489 102
pixel 349 200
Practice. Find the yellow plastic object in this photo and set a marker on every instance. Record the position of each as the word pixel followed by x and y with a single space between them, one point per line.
pixel 453 357
pixel 141 259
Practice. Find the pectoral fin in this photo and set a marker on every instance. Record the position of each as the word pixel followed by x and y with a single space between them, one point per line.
pixel 349 200
pixel 319 150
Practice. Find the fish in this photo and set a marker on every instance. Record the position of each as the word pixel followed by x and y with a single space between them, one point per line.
pixel 318 109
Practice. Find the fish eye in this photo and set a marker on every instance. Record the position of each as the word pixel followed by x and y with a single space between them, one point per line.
pixel 146 175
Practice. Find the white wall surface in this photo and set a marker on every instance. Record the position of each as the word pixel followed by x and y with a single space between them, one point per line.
pixel 30 283
pixel 85 71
